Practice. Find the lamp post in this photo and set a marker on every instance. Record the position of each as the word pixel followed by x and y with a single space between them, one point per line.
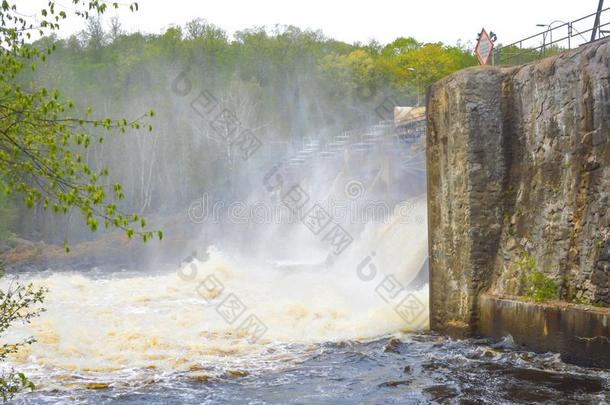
pixel 543 35
pixel 413 70
pixel 548 31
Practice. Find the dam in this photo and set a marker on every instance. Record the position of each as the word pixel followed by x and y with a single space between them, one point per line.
pixel 517 188
pixel 316 241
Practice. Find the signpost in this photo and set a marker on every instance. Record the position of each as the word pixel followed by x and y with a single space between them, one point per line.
pixel 484 48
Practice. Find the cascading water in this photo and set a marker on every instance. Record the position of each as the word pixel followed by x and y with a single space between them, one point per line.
pixel 271 313
pixel 128 327
pixel 131 326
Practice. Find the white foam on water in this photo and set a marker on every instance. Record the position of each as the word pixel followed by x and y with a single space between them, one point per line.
pixel 126 328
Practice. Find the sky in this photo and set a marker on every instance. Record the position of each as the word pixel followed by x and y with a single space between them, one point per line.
pixel 351 21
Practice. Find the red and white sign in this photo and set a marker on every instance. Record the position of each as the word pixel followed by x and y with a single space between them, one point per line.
pixel 484 48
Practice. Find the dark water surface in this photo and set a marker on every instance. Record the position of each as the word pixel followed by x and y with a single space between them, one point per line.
pixel 412 369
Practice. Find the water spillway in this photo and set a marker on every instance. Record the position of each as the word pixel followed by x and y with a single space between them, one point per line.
pixel 267 286
pixel 310 285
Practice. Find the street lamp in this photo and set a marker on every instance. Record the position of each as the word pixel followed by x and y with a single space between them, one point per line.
pixel 543 35
pixel 413 70
pixel 548 31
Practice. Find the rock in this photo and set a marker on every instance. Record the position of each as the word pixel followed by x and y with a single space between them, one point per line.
pixel 591 164
pixel 587 139
pixel 97 386
pixel 599 138
pixel 542 130
pixel 393 384
pixel 16 242
pixel 196 367
pixel 441 393
pixel 236 373
pixel 392 346
pixel 604 253
pixel 199 377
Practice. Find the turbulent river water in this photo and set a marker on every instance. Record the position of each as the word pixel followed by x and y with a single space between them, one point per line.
pixel 222 328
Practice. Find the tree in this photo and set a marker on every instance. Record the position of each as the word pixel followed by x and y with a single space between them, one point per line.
pixel 42 146
pixel 8 214
pixel 94 34
pixel 299 82
pixel 43 140
pixel 400 45
pixel 116 29
pixel 356 71
pixel 19 303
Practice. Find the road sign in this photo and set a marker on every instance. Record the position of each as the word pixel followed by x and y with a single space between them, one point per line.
pixel 484 48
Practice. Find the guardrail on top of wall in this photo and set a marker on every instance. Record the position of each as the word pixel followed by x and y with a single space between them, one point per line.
pixel 554 39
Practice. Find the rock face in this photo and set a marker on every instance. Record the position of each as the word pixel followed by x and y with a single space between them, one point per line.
pixel 519 167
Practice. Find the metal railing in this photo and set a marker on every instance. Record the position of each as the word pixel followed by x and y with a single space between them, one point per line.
pixel 567 35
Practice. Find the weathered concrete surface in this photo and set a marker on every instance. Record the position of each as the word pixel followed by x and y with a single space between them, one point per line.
pixel 581 336
pixel 519 162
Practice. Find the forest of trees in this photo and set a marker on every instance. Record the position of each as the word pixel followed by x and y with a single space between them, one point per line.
pixel 285 84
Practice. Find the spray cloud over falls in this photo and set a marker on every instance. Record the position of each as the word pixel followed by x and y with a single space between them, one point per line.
pixel 305 222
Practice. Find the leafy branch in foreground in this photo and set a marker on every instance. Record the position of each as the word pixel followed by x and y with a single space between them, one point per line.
pixel 19 303
pixel 43 142
pixel 42 146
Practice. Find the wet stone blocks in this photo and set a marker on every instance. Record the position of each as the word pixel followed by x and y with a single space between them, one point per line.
pixel 518 166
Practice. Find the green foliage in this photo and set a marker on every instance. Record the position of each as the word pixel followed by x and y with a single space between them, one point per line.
pixel 513 55
pixel 43 141
pixel 542 288
pixel 8 215
pixel 18 304
pixel 431 61
pixel 357 71
pixel 43 147
pixel 404 64
pixel 581 300
pixel 283 83
pixel 538 286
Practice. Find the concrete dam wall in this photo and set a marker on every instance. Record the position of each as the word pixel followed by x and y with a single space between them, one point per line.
pixel 518 163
